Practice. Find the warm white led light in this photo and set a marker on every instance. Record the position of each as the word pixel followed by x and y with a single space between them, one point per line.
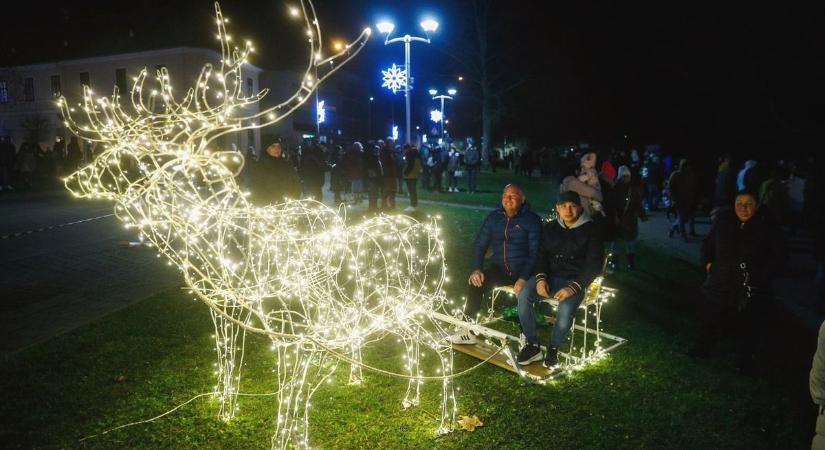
pixel 296 272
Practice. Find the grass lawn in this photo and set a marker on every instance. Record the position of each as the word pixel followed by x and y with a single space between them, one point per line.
pixel 647 394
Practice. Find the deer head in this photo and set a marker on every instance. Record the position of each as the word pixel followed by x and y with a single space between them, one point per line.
pixel 159 124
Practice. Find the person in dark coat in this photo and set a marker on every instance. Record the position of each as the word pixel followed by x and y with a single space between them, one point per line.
pixel 73 156
pixel 472 159
pixel 742 254
pixel 374 175
pixel 354 163
pixel 26 164
pixel 386 156
pixel 337 176
pixel 436 164
pixel 627 200
pixel 413 168
pixel 8 163
pixel 313 170
pixel 682 191
pixel 513 233
pixel 569 259
pixel 398 154
pixel 273 178
pixel 724 187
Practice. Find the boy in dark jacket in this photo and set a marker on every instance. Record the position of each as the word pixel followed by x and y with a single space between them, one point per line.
pixel 570 258
pixel 513 233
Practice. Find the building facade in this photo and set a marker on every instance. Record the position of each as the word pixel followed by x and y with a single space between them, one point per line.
pixel 28 111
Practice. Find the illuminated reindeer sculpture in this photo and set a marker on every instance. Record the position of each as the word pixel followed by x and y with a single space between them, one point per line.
pixel 294 272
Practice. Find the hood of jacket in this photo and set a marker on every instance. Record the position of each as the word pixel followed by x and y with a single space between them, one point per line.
pixel 583 219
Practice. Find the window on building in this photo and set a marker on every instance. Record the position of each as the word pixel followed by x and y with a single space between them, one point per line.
pixel 249 87
pixel 28 89
pixel 4 91
pixel 55 85
pixel 84 79
pixel 120 80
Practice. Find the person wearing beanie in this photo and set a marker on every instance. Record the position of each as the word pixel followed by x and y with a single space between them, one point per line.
pixel 570 257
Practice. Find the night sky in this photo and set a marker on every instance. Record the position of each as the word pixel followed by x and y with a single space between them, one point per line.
pixel 699 79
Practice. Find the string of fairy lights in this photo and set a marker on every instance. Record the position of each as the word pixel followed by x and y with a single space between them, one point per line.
pixel 321 290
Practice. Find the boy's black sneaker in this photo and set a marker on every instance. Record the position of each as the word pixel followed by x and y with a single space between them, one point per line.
pixel 551 359
pixel 529 354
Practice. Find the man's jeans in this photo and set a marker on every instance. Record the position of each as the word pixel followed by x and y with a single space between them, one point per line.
pixel 564 318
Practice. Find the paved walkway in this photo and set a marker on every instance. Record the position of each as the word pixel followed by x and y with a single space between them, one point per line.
pixel 55 280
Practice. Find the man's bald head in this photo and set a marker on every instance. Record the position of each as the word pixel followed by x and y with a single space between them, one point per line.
pixel 512 198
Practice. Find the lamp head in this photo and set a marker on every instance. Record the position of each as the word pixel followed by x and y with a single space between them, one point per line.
pixel 451 91
pixel 433 91
pixel 385 27
pixel 429 25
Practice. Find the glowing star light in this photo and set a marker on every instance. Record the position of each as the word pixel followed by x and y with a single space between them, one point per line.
pixel 435 116
pixel 395 78
pixel 296 273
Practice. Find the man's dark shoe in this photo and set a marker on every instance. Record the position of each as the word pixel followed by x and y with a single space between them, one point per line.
pixel 552 358
pixel 528 355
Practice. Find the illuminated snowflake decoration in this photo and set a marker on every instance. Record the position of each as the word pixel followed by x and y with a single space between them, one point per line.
pixel 295 272
pixel 436 116
pixel 395 78
pixel 322 112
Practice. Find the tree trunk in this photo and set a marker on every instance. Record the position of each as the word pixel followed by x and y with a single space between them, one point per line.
pixel 486 123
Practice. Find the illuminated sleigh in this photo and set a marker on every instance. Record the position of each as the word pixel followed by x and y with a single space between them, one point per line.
pixel 587 341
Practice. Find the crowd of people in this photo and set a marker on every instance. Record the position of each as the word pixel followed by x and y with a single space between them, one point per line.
pixel 36 166
pixel 376 171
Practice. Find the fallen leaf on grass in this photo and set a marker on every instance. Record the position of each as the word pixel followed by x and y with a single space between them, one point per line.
pixel 120 378
pixel 469 423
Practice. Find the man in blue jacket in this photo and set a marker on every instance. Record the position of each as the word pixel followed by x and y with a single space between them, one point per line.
pixel 570 258
pixel 513 233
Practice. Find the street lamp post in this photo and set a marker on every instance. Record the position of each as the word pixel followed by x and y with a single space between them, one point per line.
pixel 317 112
pixel 442 97
pixel 369 120
pixel 428 25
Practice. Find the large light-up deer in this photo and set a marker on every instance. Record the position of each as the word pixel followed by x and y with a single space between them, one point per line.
pixel 294 272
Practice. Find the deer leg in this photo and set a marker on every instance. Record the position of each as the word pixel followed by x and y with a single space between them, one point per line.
pixel 355 375
pixel 448 400
pixel 229 361
pixel 411 398
pixel 300 373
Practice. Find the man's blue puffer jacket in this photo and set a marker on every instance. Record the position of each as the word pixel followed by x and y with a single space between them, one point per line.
pixel 514 240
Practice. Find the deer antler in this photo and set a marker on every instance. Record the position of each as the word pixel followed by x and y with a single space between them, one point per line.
pixel 213 107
